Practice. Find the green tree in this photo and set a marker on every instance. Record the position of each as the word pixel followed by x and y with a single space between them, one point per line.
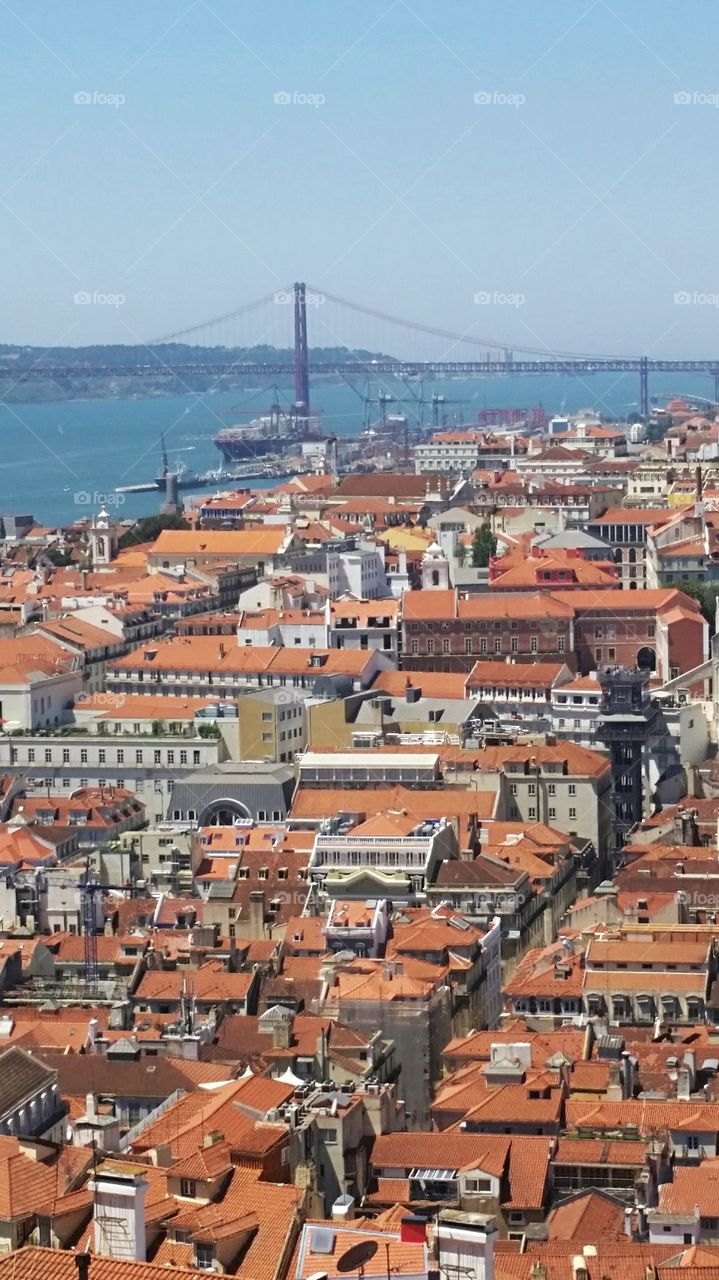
pixel 147 529
pixel 484 546
pixel 59 558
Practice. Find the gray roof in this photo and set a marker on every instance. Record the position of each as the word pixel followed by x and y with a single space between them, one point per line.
pixel 252 771
pixel 575 538
pixel 20 1075
pixel 454 711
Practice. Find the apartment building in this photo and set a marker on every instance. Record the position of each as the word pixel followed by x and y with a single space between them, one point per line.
pixel 443 631
pixel 145 763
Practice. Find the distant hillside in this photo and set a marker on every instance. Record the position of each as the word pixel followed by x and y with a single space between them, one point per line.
pixel 84 383
pixel 167 353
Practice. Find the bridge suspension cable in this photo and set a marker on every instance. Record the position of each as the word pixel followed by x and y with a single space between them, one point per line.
pixel 228 315
pixel 544 352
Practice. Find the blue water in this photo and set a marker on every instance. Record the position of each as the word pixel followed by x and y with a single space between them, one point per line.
pixel 60 460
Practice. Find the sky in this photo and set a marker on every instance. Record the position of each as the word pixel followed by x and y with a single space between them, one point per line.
pixel 542 171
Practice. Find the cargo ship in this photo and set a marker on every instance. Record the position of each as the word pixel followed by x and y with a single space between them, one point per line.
pixel 274 433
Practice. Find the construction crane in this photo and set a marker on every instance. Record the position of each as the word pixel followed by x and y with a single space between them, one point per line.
pixel 89 890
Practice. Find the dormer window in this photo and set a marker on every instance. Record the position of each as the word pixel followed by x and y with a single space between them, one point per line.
pixel 188 1188
pixel 204 1256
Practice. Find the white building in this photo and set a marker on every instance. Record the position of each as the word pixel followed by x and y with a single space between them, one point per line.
pixel 360 573
pixel 389 856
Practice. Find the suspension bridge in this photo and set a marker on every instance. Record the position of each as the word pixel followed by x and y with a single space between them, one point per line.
pixel 216 349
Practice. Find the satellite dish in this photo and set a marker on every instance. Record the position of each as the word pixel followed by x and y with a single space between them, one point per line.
pixel 356 1257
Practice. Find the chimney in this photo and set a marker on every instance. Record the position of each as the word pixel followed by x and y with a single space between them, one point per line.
pixel 257 913
pixel 82 1262
pixel 343 1208
pixel 282 1033
pixel 413 1229
pixel 90 1110
pixel 119 1214
pixel 232 957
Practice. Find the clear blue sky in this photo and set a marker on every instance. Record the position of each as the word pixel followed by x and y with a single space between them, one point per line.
pixel 595 199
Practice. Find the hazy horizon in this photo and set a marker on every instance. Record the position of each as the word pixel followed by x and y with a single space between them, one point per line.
pixel 530 172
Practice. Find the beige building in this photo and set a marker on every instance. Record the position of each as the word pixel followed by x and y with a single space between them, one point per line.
pixel 271 725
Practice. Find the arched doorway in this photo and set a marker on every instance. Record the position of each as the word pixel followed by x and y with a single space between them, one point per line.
pixel 646 659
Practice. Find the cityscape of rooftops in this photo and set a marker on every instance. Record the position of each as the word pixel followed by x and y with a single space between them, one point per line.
pixel 359 671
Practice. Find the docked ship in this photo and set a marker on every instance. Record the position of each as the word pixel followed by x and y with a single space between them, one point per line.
pixel 276 432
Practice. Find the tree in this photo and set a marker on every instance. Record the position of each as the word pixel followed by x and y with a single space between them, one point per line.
pixel 148 529
pixel 484 546
pixel 59 558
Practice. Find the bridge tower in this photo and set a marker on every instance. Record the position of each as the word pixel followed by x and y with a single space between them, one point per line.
pixel 302 359
pixel 644 387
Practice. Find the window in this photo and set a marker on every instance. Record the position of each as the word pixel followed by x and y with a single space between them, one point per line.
pixel 65 755
pixel 83 755
pixel 468 646
pixel 170 757
pixel 158 757
pixel 204 1256
pixel 430 646
pixel 572 789
pixel 572 813
pixel 138 756
pixel 498 644
pixel 31 755
pixel 120 756
pixel 533 644
pixel 552 813
pixel 195 757
pixel 483 645
pixel 445 646
pixel 514 644
pixel 188 1187
pixel 101 756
